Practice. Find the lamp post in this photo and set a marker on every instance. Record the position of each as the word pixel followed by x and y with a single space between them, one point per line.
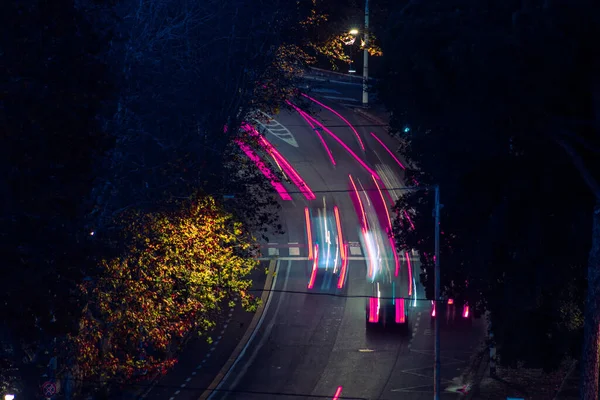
pixel 436 294
pixel 365 89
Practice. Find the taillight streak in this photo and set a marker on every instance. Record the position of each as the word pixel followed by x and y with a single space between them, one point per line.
pixel 303 115
pixel 409 220
pixel 360 142
pixel 396 260
pixel 337 394
pixel 308 233
pixel 342 246
pixel 345 146
pixel 466 312
pixel 294 176
pixel 400 315
pixel 387 213
pixel 373 310
pixel 389 151
pixel 409 268
pixel 291 172
pixel 313 274
pixel 283 193
pixel 362 209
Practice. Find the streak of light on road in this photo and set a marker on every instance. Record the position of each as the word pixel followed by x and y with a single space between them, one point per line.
pixel 389 151
pixel 360 142
pixel 265 170
pixel 344 145
pixel 315 130
pixel 338 392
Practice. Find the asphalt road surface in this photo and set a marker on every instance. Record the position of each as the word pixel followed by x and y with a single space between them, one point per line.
pixel 310 345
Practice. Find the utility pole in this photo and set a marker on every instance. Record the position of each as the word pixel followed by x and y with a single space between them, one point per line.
pixel 365 93
pixel 436 321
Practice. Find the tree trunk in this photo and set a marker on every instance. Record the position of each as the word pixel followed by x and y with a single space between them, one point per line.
pixel 591 335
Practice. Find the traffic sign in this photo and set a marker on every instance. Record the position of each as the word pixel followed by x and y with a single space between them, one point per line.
pixel 49 389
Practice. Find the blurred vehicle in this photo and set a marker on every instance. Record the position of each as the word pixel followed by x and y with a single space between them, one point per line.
pixel 389 284
pixel 452 308
pixel 327 250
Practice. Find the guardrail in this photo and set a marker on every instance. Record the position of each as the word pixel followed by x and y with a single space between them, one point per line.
pixel 337 75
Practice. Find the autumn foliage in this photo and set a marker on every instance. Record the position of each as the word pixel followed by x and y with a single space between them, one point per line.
pixel 180 268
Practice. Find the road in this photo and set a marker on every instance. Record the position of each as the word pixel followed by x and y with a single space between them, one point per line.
pixel 310 345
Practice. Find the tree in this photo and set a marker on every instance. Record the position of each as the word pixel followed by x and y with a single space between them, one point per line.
pixel 53 87
pixel 500 103
pixel 179 269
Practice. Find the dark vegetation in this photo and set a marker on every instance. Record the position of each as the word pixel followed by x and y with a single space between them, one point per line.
pixel 502 99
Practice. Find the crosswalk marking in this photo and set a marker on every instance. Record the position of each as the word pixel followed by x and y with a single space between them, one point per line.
pixel 299 251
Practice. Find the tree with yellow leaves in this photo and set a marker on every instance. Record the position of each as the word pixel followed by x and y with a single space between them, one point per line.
pixel 180 268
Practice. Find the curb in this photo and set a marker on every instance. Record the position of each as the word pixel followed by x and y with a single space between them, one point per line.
pixel 371 117
pixel 242 343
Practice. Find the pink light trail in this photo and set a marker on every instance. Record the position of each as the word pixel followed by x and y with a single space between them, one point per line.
pixel 360 142
pixel 293 174
pixel 348 149
pixel 338 392
pixel 315 130
pixel 389 151
pixel 409 267
pixel 265 170
pixel 409 220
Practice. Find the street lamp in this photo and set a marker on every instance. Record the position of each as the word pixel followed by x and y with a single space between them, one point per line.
pixel 9 397
pixel 365 94
pixel 353 32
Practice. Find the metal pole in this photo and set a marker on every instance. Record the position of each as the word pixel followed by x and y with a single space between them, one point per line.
pixel 436 322
pixel 365 93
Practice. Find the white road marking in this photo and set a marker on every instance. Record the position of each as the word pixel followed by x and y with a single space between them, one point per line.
pixel 256 329
pixel 278 130
pixel 355 251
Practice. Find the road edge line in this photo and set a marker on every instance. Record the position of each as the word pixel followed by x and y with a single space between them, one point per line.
pixel 249 331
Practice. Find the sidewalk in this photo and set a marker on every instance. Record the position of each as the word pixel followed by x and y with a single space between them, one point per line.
pixel 375 113
pixel 529 384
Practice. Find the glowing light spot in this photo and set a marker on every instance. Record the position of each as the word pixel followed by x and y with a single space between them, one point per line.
pixel 337 394
pixel 373 310
pixel 400 314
